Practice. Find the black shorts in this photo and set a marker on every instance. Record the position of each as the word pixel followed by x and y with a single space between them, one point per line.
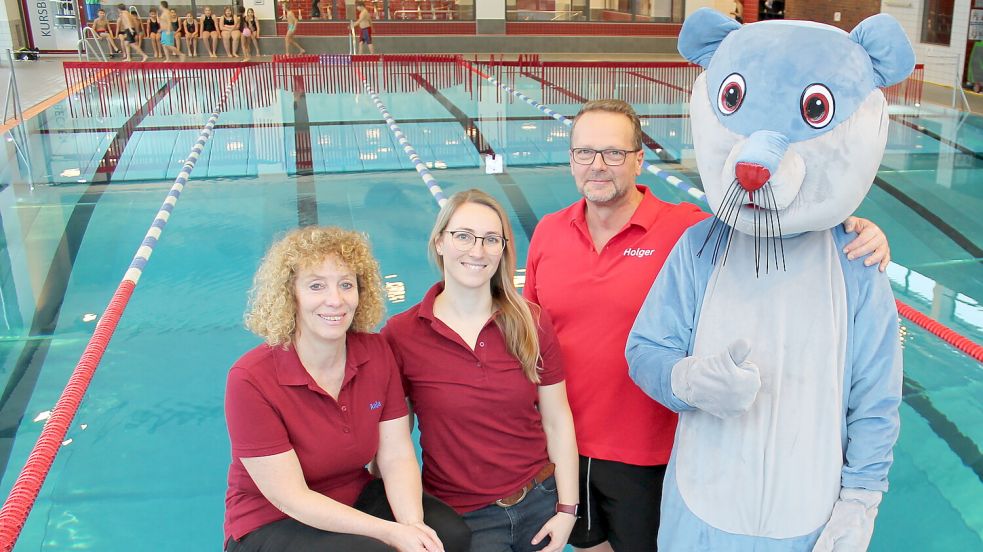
pixel 619 503
pixel 129 36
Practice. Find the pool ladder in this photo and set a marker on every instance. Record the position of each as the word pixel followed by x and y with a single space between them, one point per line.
pixel 83 45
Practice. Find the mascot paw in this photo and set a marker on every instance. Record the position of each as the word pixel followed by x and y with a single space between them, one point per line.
pixel 724 385
pixel 851 524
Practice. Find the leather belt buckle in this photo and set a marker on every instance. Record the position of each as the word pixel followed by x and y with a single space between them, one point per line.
pixel 506 502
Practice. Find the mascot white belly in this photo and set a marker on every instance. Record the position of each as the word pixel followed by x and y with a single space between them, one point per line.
pixel 781 357
pixel 778 465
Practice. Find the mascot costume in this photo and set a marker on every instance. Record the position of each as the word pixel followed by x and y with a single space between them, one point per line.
pixel 780 356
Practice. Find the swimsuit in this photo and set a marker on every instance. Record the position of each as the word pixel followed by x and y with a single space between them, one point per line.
pixel 190 26
pixel 208 25
pixel 167 38
pixel 130 36
pixel 153 26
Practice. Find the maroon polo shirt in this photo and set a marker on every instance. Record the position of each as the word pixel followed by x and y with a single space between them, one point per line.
pixel 272 405
pixel 480 428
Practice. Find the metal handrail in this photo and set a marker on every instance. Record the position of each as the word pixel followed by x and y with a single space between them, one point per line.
pixel 83 42
pixel 12 92
pixel 956 60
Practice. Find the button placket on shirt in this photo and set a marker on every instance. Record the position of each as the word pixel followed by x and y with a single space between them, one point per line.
pixel 480 352
pixel 344 400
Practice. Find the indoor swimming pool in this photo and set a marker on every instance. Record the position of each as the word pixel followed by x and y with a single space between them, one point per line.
pixel 144 464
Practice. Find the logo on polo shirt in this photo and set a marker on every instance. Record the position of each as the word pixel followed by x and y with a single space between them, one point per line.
pixel 635 252
pixel 375 405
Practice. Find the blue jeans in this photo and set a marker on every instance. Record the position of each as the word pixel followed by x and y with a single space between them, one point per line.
pixel 497 529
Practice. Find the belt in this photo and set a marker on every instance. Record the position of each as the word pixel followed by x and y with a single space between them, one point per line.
pixel 519 495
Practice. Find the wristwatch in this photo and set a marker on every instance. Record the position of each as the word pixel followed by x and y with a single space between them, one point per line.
pixel 567 509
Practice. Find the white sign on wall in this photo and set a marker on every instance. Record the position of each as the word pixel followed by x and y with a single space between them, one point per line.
pixel 975 25
pixel 52 24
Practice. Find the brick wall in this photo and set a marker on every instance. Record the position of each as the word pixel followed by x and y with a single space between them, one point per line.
pixel 822 11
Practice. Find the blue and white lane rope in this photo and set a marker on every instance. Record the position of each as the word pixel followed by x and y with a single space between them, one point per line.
pixel 146 248
pixel 421 168
pixel 679 183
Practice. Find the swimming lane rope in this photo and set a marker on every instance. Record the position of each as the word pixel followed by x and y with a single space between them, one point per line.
pixel 21 499
pixel 421 168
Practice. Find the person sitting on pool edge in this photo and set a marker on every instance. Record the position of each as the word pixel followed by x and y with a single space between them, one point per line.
pixel 309 408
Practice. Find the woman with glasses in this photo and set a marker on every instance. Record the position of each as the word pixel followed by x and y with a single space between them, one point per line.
pixel 482 371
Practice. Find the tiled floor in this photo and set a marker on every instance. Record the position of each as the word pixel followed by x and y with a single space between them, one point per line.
pixel 36 80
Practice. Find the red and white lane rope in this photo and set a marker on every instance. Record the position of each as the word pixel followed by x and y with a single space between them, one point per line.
pixel 22 496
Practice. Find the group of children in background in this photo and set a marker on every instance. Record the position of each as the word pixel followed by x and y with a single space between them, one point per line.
pixel 236 27
pixel 166 31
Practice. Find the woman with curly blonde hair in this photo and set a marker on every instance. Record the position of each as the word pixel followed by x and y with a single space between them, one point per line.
pixel 309 408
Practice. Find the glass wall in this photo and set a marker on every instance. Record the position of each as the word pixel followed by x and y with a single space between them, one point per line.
pixel 637 11
pixel 419 10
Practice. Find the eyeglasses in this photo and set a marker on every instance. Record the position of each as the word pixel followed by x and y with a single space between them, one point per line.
pixel 464 241
pixel 612 157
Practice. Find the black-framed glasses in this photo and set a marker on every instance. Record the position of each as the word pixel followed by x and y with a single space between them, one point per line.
pixel 612 157
pixel 464 241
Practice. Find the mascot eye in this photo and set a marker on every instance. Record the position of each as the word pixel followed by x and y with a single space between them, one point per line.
pixel 731 94
pixel 817 106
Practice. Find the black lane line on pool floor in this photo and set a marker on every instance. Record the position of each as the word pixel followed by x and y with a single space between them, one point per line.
pixel 950 231
pixel 662 82
pixel 520 204
pixel 303 156
pixel 961 445
pixel 23 378
pixel 649 142
pixel 937 137
pixel 469 125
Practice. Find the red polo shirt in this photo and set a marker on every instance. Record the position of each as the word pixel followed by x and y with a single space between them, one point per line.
pixel 593 299
pixel 480 428
pixel 272 405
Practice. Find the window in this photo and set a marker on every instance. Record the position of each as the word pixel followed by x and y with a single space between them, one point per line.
pixel 631 11
pixel 937 22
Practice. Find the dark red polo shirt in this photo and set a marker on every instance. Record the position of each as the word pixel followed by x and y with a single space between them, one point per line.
pixel 272 405
pixel 593 299
pixel 480 429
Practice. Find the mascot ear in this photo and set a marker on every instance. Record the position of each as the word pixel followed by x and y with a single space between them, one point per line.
pixel 888 47
pixel 702 32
